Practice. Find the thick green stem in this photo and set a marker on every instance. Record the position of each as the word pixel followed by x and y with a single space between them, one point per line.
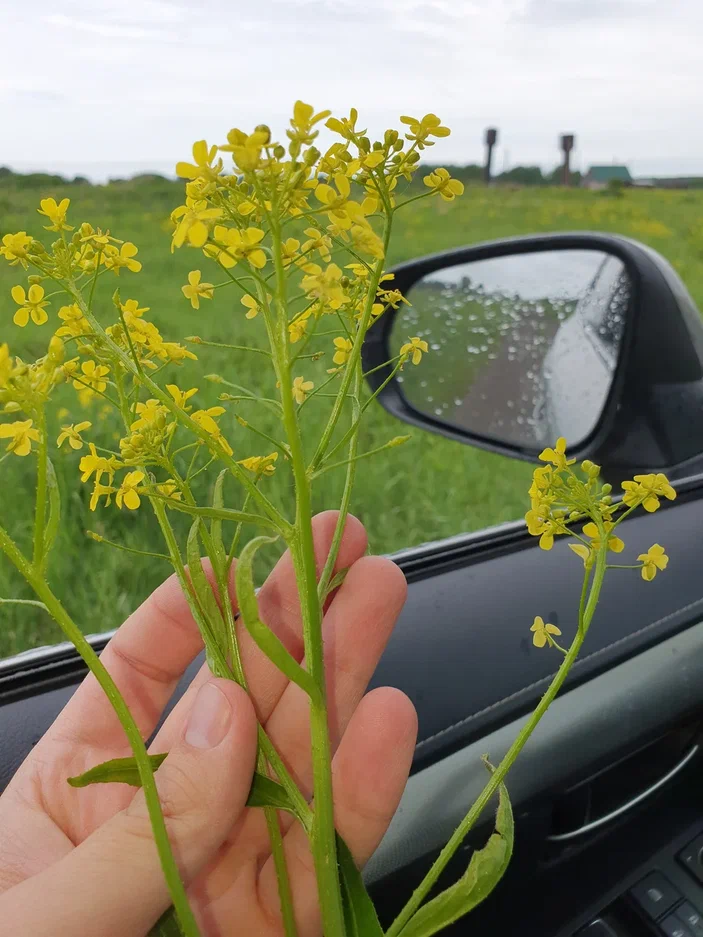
pixel 498 776
pixel 323 836
pixel 146 775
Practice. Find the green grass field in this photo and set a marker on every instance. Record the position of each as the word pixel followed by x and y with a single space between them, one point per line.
pixel 429 489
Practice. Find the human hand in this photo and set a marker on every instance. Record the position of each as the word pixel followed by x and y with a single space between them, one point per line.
pixel 76 862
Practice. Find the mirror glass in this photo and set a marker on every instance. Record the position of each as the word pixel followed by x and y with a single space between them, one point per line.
pixel 522 348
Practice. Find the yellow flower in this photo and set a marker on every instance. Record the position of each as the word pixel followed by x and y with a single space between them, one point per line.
pixel 655 558
pixel 31 304
pixel 21 434
pixel 325 285
pixel 440 181
pixel 588 553
pixel 414 348
pixel 366 241
pixel 181 397
pixel 194 289
pixel 317 242
pixel 542 632
pixel 191 223
pixel 245 149
pixel 97 464
pixel 330 198
pixel 203 158
pixel 420 130
pixel 615 544
pixel 297 328
pixel 150 413
pixel 301 388
pixel 206 420
pixel 360 271
pixel 92 376
pixel 169 489
pixel 541 525
pixel 289 249
pixel 346 126
pixel 6 364
pixel 15 248
pixel 98 492
pixel 130 307
pixel 55 213
pixel 303 120
pixel 115 259
pixel 344 347
pixel 128 492
pixel 646 490
pixel 251 306
pixel 73 434
pixel 557 456
pixel 76 322
pixel 261 464
pixel 238 245
pixel 392 298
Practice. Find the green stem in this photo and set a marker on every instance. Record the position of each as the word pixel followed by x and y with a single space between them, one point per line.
pixel 355 354
pixel 345 504
pixel 146 775
pixel 302 547
pixel 38 558
pixel 496 779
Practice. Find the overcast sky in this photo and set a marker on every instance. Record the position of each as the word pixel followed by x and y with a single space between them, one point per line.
pixel 102 87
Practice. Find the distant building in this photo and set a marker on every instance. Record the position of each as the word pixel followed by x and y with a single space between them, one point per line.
pixel 598 177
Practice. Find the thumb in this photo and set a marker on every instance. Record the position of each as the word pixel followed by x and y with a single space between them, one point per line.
pixel 112 884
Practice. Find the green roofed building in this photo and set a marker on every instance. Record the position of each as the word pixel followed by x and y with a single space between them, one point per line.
pixel 599 177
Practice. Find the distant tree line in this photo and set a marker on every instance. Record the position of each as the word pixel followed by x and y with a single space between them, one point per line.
pixel 518 175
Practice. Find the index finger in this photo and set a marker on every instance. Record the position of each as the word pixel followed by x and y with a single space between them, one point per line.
pixel 146 658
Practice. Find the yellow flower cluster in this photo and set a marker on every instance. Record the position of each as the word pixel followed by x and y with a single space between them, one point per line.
pixel 562 500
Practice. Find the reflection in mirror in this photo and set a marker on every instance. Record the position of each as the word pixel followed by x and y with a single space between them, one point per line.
pixel 523 348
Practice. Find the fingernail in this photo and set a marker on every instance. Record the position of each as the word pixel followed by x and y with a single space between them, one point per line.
pixel 209 718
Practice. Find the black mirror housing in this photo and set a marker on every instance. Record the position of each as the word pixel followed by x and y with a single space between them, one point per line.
pixel 652 417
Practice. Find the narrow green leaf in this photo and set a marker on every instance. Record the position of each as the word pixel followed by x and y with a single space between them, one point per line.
pixel 224 514
pixel 119 770
pixel 335 582
pixel 167 925
pixel 360 916
pixel 210 610
pixel 264 792
pixel 54 519
pixel 269 643
pixel 267 793
pixel 218 504
pixel 486 868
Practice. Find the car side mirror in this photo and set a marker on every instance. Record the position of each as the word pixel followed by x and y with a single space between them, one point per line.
pixel 588 336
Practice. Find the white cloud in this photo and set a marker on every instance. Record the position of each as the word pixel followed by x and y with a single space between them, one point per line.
pixel 86 86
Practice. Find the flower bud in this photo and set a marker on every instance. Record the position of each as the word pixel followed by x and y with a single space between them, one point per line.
pixel 34 278
pixel 263 128
pixel 214 378
pixel 11 406
pixel 279 151
pixel 606 489
pixel 344 282
pixel 311 156
pixel 57 350
pixel 390 137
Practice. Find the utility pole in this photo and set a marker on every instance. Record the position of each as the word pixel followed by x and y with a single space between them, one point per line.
pixel 491 140
pixel 567 141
